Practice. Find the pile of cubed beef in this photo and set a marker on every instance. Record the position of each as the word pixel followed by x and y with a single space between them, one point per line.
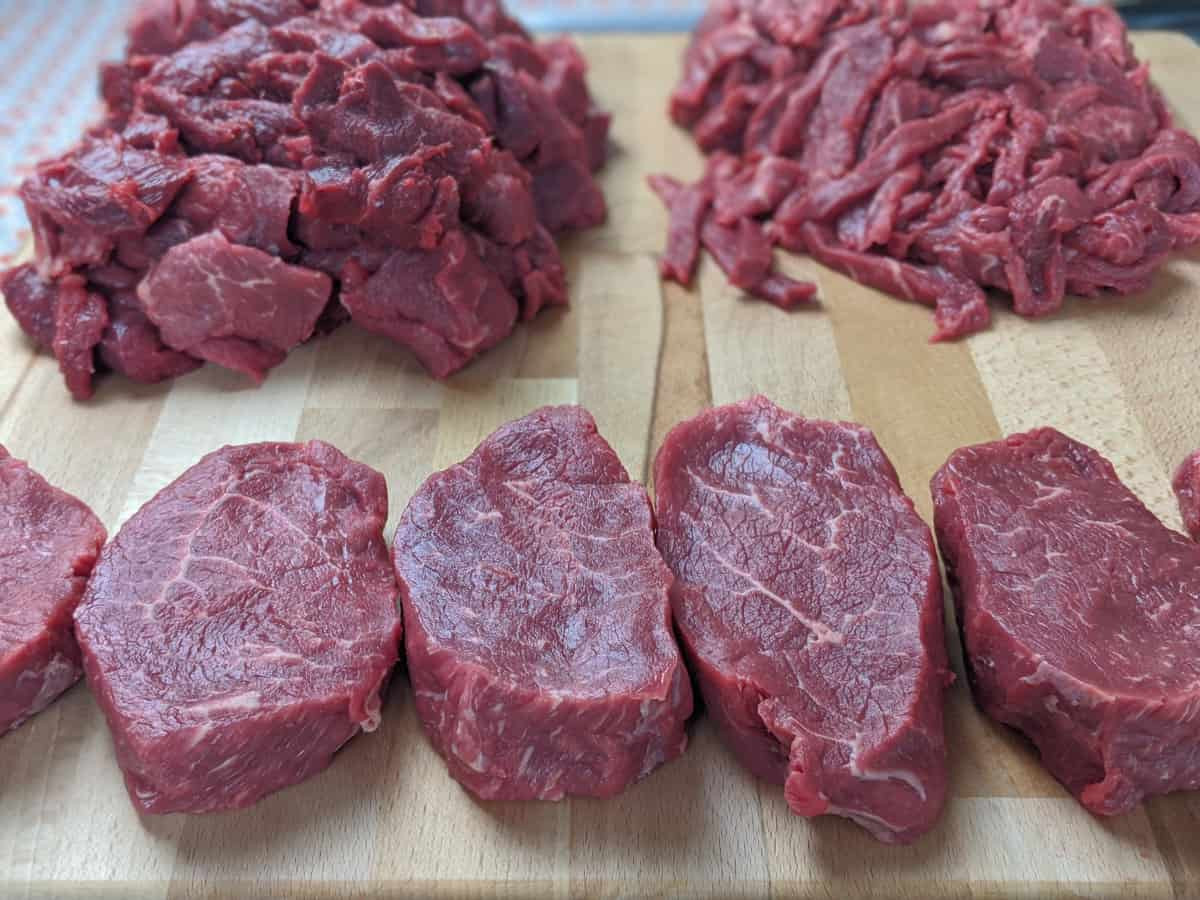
pixel 267 169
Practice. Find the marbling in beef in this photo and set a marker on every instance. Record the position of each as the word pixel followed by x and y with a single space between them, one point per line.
pixel 936 150
pixel 809 601
pixel 537 623
pixel 1078 612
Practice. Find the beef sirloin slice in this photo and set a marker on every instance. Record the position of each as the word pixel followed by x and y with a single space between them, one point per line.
pixel 936 150
pixel 267 169
pixel 1187 489
pixel 240 627
pixel 809 601
pixel 537 623
pixel 1078 611
pixel 49 542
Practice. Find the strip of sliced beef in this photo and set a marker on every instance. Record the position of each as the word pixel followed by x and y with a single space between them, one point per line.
pixel 1187 489
pixel 409 161
pixel 936 151
pixel 537 623
pixel 809 601
pixel 1078 612
pixel 241 626
pixel 49 542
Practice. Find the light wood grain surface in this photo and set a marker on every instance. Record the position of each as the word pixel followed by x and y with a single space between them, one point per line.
pixel 386 820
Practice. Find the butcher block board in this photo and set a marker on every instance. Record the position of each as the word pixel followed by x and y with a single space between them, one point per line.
pixel 386 819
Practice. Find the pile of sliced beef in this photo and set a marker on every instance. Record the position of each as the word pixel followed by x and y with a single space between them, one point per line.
pixel 266 170
pixel 938 151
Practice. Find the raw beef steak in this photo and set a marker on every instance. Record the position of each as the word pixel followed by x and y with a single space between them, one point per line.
pixel 536 616
pixel 1079 614
pixel 1187 489
pixel 48 544
pixel 240 627
pixel 809 601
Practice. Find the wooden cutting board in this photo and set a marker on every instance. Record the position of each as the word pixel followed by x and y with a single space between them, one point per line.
pixel 386 820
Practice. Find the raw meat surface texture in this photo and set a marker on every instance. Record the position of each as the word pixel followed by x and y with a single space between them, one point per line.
pixel 241 626
pixel 1187 489
pixel 937 150
pixel 1078 611
pixel 267 170
pixel 49 542
pixel 537 624
pixel 809 602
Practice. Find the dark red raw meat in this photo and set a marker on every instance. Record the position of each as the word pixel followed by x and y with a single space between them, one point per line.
pixel 252 307
pixel 809 601
pixel 1078 611
pixel 937 151
pixel 410 160
pixel 62 316
pixel 536 616
pixel 1187 489
pixel 240 627
pixel 454 306
pixel 49 542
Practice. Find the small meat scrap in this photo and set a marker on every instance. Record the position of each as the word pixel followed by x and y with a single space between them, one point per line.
pixel 940 151
pixel 1078 610
pixel 537 623
pixel 49 542
pixel 809 602
pixel 268 169
pixel 1187 489
pixel 242 625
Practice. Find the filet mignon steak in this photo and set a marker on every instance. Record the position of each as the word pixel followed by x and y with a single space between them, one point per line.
pixel 1079 614
pixel 241 625
pixel 537 622
pixel 48 544
pixel 809 602
pixel 1187 489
